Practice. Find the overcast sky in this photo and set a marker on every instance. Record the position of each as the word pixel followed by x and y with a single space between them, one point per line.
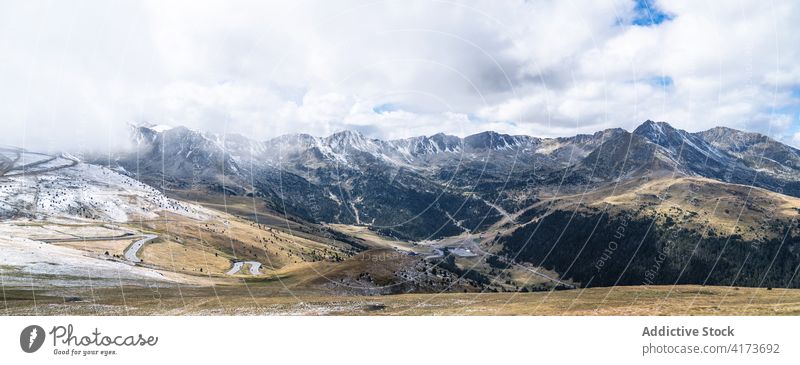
pixel 75 73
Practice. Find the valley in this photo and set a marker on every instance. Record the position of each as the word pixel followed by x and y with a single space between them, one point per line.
pixel 655 221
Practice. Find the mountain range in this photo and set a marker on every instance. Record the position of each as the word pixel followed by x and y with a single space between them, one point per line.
pixel 440 185
pixel 719 205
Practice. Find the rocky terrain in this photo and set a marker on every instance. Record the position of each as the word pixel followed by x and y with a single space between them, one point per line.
pixel 351 215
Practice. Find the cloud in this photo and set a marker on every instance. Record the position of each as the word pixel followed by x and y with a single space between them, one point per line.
pixel 795 141
pixel 76 74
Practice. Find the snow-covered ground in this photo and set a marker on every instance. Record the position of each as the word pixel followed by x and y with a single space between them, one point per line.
pixel 61 198
pixel 29 158
pixel 31 263
pixel 86 191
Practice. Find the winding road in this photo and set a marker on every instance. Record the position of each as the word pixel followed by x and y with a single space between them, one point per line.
pixel 9 167
pixel 130 253
pixel 237 266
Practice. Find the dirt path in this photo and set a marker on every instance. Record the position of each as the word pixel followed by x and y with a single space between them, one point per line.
pixel 508 217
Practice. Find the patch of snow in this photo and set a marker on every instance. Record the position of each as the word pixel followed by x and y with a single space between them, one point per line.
pixel 334 197
pixel 43 264
pixel 548 147
pixel 355 211
pixel 658 128
pixel 160 128
pixel 88 192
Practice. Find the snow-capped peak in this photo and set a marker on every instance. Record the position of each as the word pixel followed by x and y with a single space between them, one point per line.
pixel 157 128
pixel 160 127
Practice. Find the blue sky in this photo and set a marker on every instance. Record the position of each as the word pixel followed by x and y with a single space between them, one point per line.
pixel 647 13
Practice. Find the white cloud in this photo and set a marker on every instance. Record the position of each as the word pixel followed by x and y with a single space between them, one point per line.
pixel 77 73
pixel 796 140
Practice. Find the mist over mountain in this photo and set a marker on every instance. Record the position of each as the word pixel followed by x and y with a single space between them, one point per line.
pixel 434 186
pixel 715 207
pixel 470 157
pixel 704 201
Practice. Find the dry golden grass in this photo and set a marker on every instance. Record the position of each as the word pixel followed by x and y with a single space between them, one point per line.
pixel 703 203
pixel 261 300
pixel 190 259
pixel 112 247
pixel 521 277
pixel 299 274
pixel 700 201
pixel 374 240
pixel 381 265
pixel 241 240
pixel 42 230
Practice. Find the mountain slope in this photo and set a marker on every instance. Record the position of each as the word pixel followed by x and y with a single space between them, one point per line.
pixel 430 187
pixel 592 209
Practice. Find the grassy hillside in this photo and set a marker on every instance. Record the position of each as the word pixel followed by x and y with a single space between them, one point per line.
pixel 662 231
pixel 255 300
